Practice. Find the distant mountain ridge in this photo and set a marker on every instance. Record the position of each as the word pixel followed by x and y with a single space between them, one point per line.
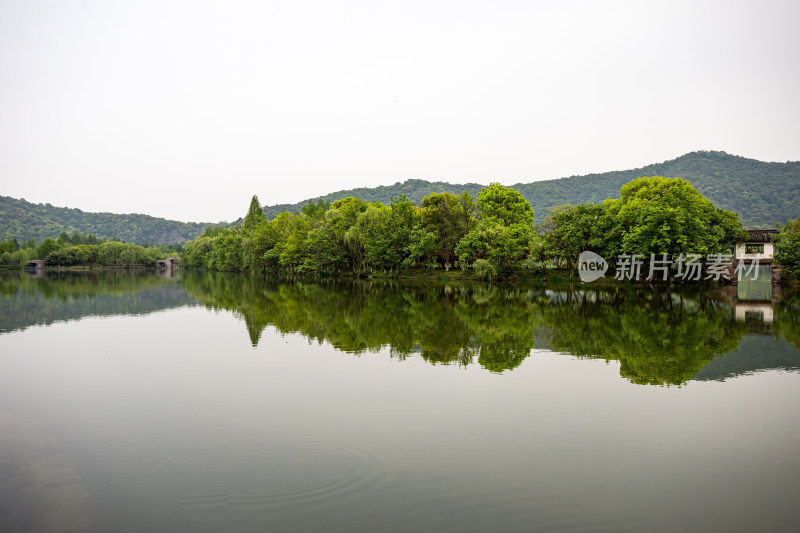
pixel 761 193
pixel 22 220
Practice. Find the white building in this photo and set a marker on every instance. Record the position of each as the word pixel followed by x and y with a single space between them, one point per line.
pixel 758 244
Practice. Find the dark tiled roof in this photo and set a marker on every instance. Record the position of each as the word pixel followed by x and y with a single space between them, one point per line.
pixel 761 235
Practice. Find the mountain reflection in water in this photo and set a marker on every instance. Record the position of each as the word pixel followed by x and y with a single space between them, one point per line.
pixel 660 335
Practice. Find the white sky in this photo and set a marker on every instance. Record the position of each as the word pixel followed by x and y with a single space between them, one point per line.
pixel 185 109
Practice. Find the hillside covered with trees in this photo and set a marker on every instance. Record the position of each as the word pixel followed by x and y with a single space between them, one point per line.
pixel 22 220
pixel 762 194
pixel 492 235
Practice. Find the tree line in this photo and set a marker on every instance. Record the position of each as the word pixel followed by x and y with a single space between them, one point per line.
pixel 81 249
pixel 761 193
pixel 492 235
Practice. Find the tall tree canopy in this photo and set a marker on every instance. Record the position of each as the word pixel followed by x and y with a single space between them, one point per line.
pixel 494 236
pixel 787 247
pixel 570 229
pixel 668 215
pixel 504 204
pixel 448 217
pixel 255 215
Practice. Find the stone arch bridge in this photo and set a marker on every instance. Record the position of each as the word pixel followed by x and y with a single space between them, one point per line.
pixel 167 264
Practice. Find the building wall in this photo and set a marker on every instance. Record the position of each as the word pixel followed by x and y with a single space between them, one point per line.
pixel 769 251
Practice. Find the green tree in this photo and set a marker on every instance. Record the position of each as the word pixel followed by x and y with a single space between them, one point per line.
pixel 293 248
pixel 270 237
pixel 341 216
pixel 444 214
pixel 85 254
pixel 504 204
pixel 324 252
pixel 135 254
pixel 669 216
pixel 503 247
pixel 568 230
pixel 63 239
pixel 384 234
pixel 422 244
pixel 46 247
pixel 8 246
pixel 255 216
pixel 252 249
pixel 60 257
pixel 110 253
pixel 373 235
pixel 787 247
pixel 194 252
pixel 316 210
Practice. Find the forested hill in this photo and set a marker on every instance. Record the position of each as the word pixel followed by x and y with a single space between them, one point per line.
pixel 23 220
pixel 415 190
pixel 762 194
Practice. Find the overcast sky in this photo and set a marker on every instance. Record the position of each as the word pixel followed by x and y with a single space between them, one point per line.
pixel 186 109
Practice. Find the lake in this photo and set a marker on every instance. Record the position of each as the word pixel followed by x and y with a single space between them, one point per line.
pixel 136 402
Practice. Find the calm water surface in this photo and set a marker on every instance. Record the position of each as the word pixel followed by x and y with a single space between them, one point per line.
pixel 132 402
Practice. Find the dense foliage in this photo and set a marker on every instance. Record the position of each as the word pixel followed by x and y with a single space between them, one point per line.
pixel 23 220
pixel 654 216
pixel 493 235
pixel 761 193
pixel 669 216
pixel 82 250
pixel 787 247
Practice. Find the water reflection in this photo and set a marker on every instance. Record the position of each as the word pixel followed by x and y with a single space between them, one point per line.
pixel 755 286
pixel 27 300
pixel 660 335
pixel 176 413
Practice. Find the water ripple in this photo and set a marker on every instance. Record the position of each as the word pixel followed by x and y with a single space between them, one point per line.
pixel 249 475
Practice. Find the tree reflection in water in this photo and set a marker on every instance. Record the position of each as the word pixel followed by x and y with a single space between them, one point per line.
pixel 660 335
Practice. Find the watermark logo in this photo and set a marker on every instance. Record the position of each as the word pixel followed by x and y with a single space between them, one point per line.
pixel 686 267
pixel 591 266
